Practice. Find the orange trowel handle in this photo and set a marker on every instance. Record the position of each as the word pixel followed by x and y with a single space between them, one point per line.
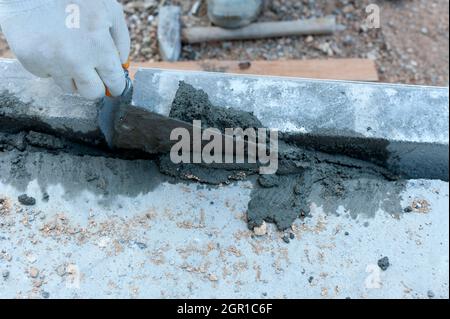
pixel 125 66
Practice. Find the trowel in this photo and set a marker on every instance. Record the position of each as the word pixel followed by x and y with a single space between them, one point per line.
pixel 126 126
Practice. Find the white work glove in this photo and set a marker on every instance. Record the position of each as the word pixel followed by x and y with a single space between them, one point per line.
pixel 81 57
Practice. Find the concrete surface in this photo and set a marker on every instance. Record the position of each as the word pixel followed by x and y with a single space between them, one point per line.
pixel 81 244
pixel 106 227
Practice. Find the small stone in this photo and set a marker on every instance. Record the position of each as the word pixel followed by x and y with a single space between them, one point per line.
pixel 310 279
pixel 141 245
pixel 348 8
pixel 325 48
pixel 408 209
pixel 383 263
pixel 363 28
pixel 424 30
pixel 291 236
pixel 45 197
pixel 104 242
pixel 227 45
pixel 346 233
pixel 45 294
pixel 61 270
pixel 31 258
pixel 309 39
pixel 213 277
pixel 33 272
pixel 348 40
pixel 268 181
pixel 5 274
pixel 286 239
pixel 5 206
pixel 430 294
pixel 372 55
pixel 26 200
pixel 244 65
pixel 261 230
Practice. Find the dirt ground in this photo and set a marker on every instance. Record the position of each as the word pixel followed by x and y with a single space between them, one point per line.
pixel 411 46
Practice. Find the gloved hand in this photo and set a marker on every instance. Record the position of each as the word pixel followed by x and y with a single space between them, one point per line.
pixel 81 57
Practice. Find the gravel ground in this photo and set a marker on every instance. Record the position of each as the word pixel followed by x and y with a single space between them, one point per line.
pixel 407 27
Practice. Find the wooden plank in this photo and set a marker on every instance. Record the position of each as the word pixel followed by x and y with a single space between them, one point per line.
pixel 331 69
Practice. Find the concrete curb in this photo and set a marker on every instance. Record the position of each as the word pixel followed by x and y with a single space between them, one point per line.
pixel 402 127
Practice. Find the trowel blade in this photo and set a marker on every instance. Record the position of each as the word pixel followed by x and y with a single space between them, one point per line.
pixel 106 117
pixel 125 126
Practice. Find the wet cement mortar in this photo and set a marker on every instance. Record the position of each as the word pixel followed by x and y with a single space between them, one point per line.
pixel 304 176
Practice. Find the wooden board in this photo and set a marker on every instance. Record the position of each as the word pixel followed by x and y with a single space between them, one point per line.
pixel 332 69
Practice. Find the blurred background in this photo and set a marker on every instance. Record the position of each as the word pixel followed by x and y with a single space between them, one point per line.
pixel 411 45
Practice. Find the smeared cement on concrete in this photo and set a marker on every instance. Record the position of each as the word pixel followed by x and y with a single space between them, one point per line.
pixel 303 175
pixel 110 227
pixel 17 115
pixel 191 104
pixel 75 168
